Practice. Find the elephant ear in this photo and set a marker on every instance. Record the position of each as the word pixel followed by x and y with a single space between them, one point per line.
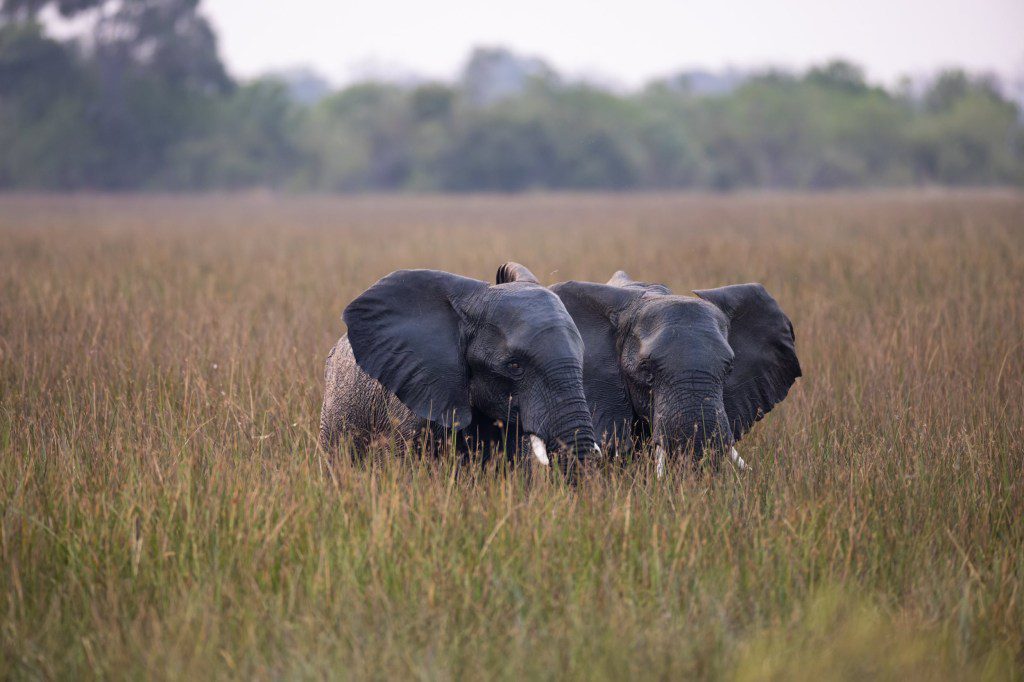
pixel 596 309
pixel 621 279
pixel 406 332
pixel 765 364
pixel 514 272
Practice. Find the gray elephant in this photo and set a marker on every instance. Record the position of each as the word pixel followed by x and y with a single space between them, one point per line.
pixel 432 353
pixel 691 375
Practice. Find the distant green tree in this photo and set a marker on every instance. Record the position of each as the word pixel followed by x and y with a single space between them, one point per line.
pixel 250 139
pixel 44 97
pixel 495 74
pixel 496 151
pixel 145 82
pixel 360 138
pixel 968 133
pixel 432 102
pixel 143 101
pixel 666 121
pixel 839 74
pixel 954 85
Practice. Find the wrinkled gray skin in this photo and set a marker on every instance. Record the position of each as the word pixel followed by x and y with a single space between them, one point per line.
pixel 690 375
pixel 428 353
pixel 357 404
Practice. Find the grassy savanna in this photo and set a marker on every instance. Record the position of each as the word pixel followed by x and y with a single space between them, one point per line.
pixel 166 512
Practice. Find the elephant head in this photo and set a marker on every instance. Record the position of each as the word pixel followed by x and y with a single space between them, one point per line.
pixel 694 372
pixel 456 350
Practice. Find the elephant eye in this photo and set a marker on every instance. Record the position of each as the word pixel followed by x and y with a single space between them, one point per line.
pixel 514 368
pixel 728 367
pixel 645 371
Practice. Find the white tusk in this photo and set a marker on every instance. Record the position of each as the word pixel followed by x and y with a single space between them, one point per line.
pixel 597 449
pixel 659 464
pixel 539 451
pixel 737 460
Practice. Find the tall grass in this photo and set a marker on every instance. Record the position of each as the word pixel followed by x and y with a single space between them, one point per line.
pixel 165 511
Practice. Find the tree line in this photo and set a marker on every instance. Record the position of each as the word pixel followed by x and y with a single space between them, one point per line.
pixel 141 100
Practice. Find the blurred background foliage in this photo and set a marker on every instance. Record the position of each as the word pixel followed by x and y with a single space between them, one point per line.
pixel 138 98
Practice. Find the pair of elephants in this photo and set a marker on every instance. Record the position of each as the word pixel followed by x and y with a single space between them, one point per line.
pixel 524 368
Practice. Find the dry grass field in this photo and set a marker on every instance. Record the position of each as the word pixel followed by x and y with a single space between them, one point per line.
pixel 165 512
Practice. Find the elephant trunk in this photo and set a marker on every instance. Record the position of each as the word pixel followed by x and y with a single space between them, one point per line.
pixel 694 424
pixel 573 439
pixel 560 419
pixel 575 434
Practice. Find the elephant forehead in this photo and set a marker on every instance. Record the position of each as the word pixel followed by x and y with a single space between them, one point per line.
pixel 701 342
pixel 527 307
pixel 534 324
pixel 675 312
pixel 684 330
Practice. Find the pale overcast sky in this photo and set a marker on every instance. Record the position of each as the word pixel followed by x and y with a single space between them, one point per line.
pixel 623 41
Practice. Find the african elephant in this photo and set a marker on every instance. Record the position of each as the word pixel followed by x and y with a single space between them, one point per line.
pixel 690 374
pixel 429 352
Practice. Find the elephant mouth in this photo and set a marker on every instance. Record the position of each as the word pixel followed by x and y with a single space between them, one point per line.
pixel 661 456
pixel 540 450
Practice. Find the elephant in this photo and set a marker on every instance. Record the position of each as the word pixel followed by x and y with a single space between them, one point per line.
pixel 430 353
pixel 687 374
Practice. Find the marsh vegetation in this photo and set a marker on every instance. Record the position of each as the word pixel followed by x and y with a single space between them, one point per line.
pixel 165 511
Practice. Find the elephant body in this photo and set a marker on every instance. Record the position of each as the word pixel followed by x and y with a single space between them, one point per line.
pixel 357 405
pixel 687 374
pixel 433 354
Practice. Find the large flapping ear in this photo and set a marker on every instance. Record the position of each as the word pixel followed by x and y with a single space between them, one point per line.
pixel 597 310
pixel 765 364
pixel 514 272
pixel 406 332
pixel 621 279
